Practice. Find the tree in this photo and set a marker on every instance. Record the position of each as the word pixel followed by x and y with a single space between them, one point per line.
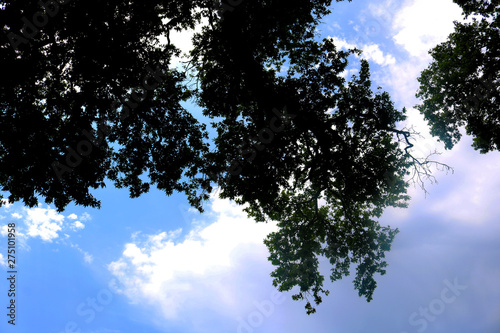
pixel 461 86
pixel 76 72
pixel 87 96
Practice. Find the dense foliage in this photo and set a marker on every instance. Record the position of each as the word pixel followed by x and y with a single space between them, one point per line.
pixel 89 96
pixel 461 87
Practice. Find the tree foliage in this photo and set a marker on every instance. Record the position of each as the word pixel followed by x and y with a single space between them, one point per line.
pixel 328 175
pixel 299 144
pixel 461 86
pixel 68 77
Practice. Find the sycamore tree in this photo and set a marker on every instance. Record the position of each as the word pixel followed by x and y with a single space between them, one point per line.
pixel 461 86
pixel 88 94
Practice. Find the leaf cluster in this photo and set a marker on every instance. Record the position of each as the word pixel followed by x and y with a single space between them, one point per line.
pixel 461 86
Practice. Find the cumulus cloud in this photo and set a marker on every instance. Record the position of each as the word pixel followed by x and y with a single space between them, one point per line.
pixel 371 51
pixel 416 26
pixel 44 223
pixel 341 43
pixel 424 23
pixel 77 225
pixel 171 271
pixel 84 217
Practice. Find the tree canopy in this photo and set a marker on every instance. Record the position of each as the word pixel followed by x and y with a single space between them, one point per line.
pixel 87 95
pixel 461 87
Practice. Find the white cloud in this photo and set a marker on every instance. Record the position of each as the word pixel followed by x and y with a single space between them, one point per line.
pixel 4 231
pixel 87 257
pixel 2 261
pixel 171 272
pixel 418 26
pixel 371 51
pixel 44 223
pixel 341 43
pixel 348 73
pixel 85 217
pixel 424 23
pixel 77 225
pixel 402 78
pixel 183 41
pixel 470 195
pixel 383 10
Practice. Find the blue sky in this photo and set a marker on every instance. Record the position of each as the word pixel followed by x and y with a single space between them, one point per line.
pixel 152 264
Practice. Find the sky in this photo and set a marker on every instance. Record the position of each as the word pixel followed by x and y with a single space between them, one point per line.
pixel 153 264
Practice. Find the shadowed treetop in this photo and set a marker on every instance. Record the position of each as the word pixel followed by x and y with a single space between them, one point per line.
pixel 461 86
pixel 302 145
